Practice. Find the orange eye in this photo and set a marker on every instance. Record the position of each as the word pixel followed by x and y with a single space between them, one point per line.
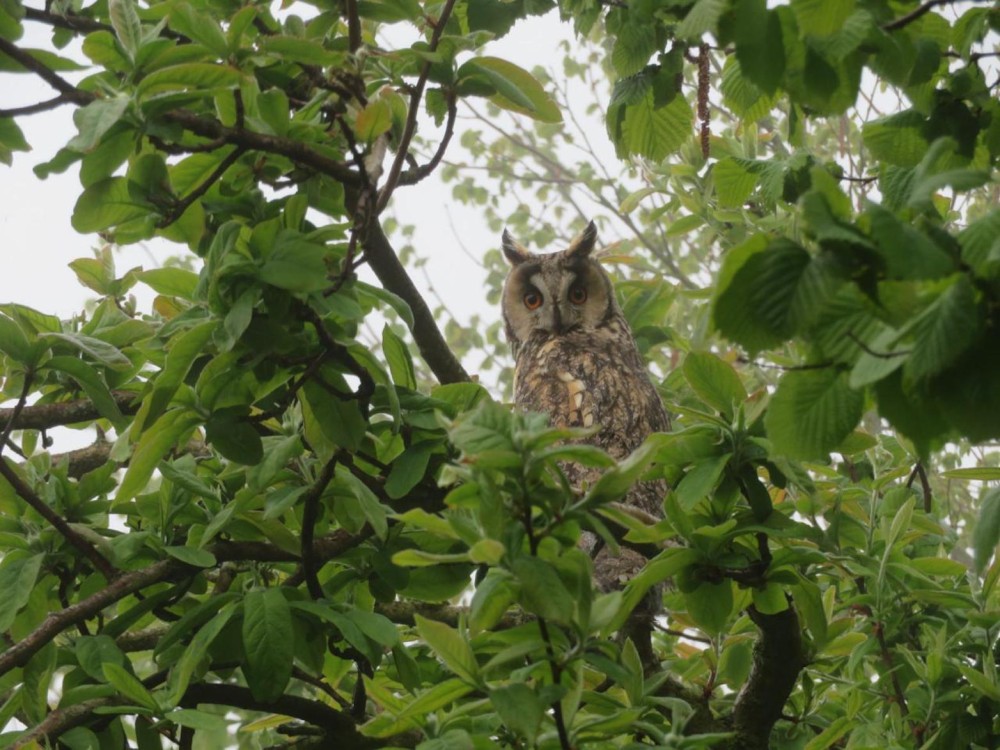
pixel 578 295
pixel 532 300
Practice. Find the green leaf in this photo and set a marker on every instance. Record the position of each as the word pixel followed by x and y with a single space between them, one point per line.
pixel 195 75
pixel 199 558
pixel 634 44
pixel 760 47
pixel 151 448
pixel 14 343
pixel 184 669
pixel 710 605
pixel 199 27
pixel 397 354
pixel 715 382
pixel 299 49
pixel 734 182
pixel 945 330
pixel 897 139
pixel 295 264
pixel 770 600
pixel 107 204
pixel 811 412
pixel 17 580
pixel 655 132
pixel 331 422
pixel 126 684
pixel 982 473
pixel 373 120
pixel 765 301
pixel 93 385
pixel 170 281
pixel 542 590
pixel 701 19
pixel 184 349
pixel 268 643
pixel 520 708
pixel 986 532
pixel 235 438
pixel 516 89
pixel 701 480
pixel 493 597
pixel 94 120
pixel 450 647
pixel 125 21
pixel 408 469
pixel 99 351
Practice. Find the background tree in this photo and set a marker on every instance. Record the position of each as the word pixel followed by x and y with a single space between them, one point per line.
pixel 277 523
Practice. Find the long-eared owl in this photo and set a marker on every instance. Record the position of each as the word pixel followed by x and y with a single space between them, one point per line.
pixel 576 359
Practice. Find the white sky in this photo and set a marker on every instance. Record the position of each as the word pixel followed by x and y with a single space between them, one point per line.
pixel 38 241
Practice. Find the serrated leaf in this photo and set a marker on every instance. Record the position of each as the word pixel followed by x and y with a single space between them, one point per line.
pixel 715 382
pixel 701 19
pixel 760 47
pixel 945 330
pixel 449 646
pixel 811 412
pixel 655 132
pixel 268 643
pixel 634 44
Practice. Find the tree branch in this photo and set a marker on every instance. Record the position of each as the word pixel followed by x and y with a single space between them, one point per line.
pixel 433 348
pixel 410 128
pixel 178 209
pixel 413 176
pixel 328 547
pixel 914 15
pixel 60 84
pixel 778 657
pixel 62 413
pixel 33 109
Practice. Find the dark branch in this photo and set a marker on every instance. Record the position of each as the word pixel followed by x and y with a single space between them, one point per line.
pixel 433 348
pixel 353 24
pixel 415 175
pixel 47 416
pixel 60 84
pixel 914 15
pixel 178 209
pixel 33 109
pixel 410 128
pixel 778 657
pixel 68 21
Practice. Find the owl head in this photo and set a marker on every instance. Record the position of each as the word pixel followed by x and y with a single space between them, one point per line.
pixel 556 293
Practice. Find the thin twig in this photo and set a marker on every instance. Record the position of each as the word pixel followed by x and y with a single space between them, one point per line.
pixel 178 209
pixel 410 128
pixel 415 175
pixel 913 15
pixel 32 109
pixel 60 84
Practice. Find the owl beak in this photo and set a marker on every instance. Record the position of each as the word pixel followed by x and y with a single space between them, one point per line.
pixel 557 321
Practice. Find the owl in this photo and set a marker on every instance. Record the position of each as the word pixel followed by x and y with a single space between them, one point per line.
pixel 576 359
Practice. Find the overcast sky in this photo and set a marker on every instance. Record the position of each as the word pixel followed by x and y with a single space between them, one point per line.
pixel 39 242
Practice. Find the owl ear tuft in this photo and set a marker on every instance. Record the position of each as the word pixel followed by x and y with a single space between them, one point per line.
pixel 583 244
pixel 515 252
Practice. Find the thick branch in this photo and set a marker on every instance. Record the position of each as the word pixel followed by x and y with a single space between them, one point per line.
pixel 433 348
pixel 18 655
pixel 778 657
pixel 297 151
pixel 60 84
pixel 46 416
pixel 310 514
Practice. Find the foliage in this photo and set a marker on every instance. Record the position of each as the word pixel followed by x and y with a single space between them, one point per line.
pixel 286 528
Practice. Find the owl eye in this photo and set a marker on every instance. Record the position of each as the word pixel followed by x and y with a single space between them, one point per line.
pixel 532 300
pixel 578 295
